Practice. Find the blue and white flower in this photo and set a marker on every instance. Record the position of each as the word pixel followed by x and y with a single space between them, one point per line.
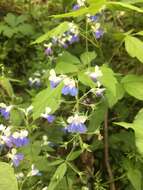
pixel 36 82
pixel 70 87
pixel 96 74
pixel 34 171
pixel 99 90
pixel 97 30
pixel 15 157
pixel 76 124
pixel 5 138
pixel 5 110
pixel 48 50
pixel 49 117
pixel 92 18
pixel 20 139
pixel 54 80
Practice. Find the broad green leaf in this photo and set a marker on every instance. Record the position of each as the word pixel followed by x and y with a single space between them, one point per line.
pixel 21 19
pixel 84 79
pixel 5 84
pixel 133 85
pixel 26 29
pixel 7 177
pixel 124 124
pixel 132 1
pixel 93 9
pixel 10 19
pixel 47 98
pixel 72 156
pixel 68 57
pixel 9 32
pixel 87 57
pixel 126 5
pixel 59 30
pixel 134 175
pixel 110 83
pixel 58 176
pixel 137 126
pixel 140 33
pixel 134 47
pixel 97 117
pixel 68 68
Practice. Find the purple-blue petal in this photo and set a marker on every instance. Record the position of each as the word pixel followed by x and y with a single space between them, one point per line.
pixel 76 128
pixel 48 51
pixel 5 113
pixel 65 90
pixel 19 142
pixel 75 38
pixel 54 84
pixel 50 118
pixel 99 33
pixel 17 158
pixel 73 91
pixel 76 7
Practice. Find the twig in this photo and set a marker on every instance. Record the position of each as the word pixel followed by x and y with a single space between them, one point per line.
pixel 106 153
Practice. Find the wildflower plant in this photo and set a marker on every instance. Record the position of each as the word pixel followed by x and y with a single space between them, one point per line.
pixel 57 121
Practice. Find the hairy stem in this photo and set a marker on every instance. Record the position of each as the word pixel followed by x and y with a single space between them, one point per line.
pixel 106 153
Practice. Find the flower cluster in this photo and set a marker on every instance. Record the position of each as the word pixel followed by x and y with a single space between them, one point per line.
pixel 76 124
pixel 13 140
pixel 67 38
pixel 69 84
pixel 96 28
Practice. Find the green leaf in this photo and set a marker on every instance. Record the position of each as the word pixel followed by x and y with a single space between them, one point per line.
pixel 97 116
pixel 68 68
pixel 137 126
pixel 68 57
pixel 21 19
pixel 124 124
pixel 84 79
pixel 93 9
pixel 5 84
pixel 26 29
pixel 133 85
pixel 134 47
pixel 59 30
pixel 58 176
pixel 47 98
pixel 10 19
pixel 72 156
pixel 110 83
pixel 134 175
pixel 9 32
pixel 69 62
pixel 87 57
pixel 126 5
pixel 7 177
